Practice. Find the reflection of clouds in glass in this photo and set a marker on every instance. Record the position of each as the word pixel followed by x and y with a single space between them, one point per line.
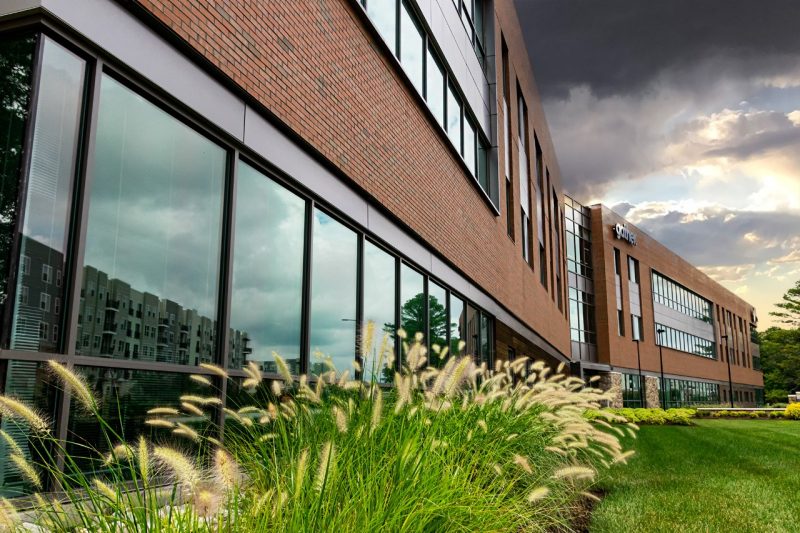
pixel 333 292
pixel 379 298
pixel 54 145
pixel 268 265
pixel 156 199
pixel 383 14
pixel 411 47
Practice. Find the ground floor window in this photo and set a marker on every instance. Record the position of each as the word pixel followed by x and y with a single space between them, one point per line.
pixel 683 393
pixel 632 391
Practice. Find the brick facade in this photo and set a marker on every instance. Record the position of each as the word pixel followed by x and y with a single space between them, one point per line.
pixel 319 68
pixel 620 350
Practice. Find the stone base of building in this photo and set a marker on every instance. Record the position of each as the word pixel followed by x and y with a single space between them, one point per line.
pixel 651 392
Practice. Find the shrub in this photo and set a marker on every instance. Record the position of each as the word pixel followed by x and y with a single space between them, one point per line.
pixel 459 448
pixel 674 416
pixel 792 411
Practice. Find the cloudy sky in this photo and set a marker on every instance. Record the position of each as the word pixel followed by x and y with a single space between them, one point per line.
pixel 684 116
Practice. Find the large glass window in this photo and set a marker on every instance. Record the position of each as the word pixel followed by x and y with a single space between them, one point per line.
pixel 383 14
pixel 412 46
pixel 379 307
pixel 472 332
pixel 469 147
pixel 333 295
pixel 438 321
pixel 454 117
pixel 124 397
pixel 153 234
pixel 434 92
pixel 458 323
pixel 16 63
pixel 30 382
pixel 412 301
pixel 47 204
pixel 267 272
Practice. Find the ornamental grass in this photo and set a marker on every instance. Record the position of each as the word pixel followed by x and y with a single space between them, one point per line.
pixel 461 447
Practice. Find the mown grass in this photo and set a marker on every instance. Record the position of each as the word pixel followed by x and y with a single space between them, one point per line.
pixel 719 475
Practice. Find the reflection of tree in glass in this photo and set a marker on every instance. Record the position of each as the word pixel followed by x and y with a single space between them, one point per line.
pixel 15 71
pixel 412 318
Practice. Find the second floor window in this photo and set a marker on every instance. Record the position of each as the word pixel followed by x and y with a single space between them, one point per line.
pixel 472 14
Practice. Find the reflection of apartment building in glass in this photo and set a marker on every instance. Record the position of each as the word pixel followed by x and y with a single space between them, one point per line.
pixel 639 312
pixel 226 182
pixel 120 322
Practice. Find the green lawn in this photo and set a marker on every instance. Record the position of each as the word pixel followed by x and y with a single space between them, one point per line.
pixel 720 475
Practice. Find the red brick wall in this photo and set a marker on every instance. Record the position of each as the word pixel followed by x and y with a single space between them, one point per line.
pixel 317 68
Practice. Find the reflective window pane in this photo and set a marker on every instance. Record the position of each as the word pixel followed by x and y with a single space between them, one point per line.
pixel 32 383
pixel 435 87
pixel 458 323
pixel 124 397
pixel 48 202
pixel 16 60
pixel 379 307
pixel 438 321
pixel 333 295
pixel 486 339
pixel 454 117
pixel 412 46
pixel 267 272
pixel 383 14
pixel 469 145
pixel 153 236
pixel 412 302
pixel 472 332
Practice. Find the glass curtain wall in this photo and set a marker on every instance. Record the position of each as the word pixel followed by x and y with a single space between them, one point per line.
pixel 380 280
pixel 147 289
pixel 269 246
pixel 153 236
pixel 334 260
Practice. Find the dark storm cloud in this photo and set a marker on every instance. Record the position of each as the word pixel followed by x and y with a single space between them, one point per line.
pixel 619 46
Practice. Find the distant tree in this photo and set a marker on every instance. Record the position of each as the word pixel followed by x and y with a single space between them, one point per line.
pixel 780 362
pixel 789 312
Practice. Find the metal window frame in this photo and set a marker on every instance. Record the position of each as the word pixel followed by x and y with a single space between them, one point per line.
pixel 98 65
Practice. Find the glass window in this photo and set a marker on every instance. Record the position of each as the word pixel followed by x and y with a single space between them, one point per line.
pixel 383 14
pixel 458 323
pixel 434 92
pixel 412 46
pixel 153 232
pixel 267 272
pixel 124 397
pixel 379 307
pixel 486 339
pixel 47 205
pixel 454 117
pixel 16 60
pixel 412 302
pixel 30 382
pixel 333 294
pixel 469 146
pixel 437 310
pixel 472 331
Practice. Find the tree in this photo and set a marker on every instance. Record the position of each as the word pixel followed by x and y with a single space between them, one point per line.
pixel 780 362
pixel 790 307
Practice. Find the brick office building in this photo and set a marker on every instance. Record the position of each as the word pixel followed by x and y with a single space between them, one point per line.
pixel 640 312
pixel 221 180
